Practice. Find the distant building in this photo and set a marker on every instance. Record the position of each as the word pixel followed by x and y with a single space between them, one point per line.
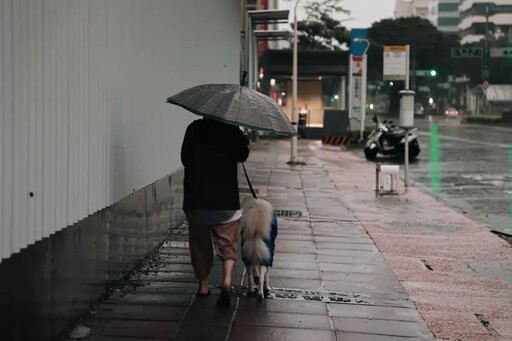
pixel 412 8
pixel 444 14
pixel 474 15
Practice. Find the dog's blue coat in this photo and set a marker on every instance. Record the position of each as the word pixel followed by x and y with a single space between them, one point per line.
pixel 270 242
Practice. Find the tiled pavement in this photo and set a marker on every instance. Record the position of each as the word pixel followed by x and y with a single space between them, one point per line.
pixel 330 281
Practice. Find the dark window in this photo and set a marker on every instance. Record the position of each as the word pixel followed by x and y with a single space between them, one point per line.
pixel 447 21
pixel 331 92
pixel 448 7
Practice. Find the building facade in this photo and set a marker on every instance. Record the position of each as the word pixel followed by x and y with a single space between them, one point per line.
pixel 90 169
pixel 444 14
pixel 479 18
pixel 412 8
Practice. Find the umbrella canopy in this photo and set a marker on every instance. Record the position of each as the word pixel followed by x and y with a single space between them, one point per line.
pixel 237 105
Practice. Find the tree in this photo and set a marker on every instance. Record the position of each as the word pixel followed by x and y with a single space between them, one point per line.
pixel 320 31
pixel 430 49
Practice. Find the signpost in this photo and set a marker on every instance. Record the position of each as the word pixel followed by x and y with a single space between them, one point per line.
pixel 395 63
pixel 396 67
pixel 501 52
pixel 357 81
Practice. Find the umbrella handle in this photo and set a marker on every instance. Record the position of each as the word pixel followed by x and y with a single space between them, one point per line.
pixel 244 75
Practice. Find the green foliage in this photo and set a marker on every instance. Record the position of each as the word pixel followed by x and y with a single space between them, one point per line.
pixel 430 48
pixel 488 119
pixel 320 31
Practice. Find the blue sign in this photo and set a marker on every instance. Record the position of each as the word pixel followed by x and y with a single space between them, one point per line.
pixel 357 48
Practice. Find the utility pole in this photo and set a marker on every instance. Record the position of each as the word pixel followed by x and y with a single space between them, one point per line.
pixel 407 88
pixel 486 55
pixel 294 159
pixel 413 74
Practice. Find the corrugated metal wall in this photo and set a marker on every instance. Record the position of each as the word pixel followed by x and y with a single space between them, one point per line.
pixel 82 101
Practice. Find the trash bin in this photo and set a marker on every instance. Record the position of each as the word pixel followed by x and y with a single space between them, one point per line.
pixel 406 109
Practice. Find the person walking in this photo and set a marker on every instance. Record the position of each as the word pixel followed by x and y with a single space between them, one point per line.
pixel 210 154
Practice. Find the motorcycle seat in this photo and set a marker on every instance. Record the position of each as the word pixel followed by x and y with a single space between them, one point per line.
pixel 397 131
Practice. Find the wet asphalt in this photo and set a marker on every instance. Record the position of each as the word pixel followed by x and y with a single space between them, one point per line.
pixel 468 167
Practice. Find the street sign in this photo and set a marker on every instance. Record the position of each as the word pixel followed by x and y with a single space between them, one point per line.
pixel 501 52
pixel 470 52
pixel 357 66
pixel 485 62
pixel 357 82
pixel 358 43
pixel 395 63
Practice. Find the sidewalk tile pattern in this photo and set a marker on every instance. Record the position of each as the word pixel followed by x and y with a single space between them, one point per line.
pixel 330 282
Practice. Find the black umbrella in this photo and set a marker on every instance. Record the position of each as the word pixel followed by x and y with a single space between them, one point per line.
pixel 237 105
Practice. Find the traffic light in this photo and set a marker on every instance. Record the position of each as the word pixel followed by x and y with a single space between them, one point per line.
pixel 391 83
pixel 433 73
pixel 485 64
pixel 486 57
pixel 431 101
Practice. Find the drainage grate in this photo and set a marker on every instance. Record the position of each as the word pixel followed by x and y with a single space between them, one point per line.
pixel 307 295
pixel 288 213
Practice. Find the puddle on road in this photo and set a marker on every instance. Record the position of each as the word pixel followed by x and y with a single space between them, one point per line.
pixel 425 226
pixel 510 173
pixel 434 157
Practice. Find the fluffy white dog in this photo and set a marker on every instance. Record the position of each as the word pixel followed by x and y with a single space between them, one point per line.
pixel 259 231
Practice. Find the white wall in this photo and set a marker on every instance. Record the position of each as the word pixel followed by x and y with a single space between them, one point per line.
pixel 83 118
pixel 403 9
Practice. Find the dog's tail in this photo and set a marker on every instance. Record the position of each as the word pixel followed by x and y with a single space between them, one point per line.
pixel 255 250
pixel 256 224
pixel 256 219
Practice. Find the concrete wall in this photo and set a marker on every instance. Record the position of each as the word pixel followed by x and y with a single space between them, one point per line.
pixel 83 118
pixel 47 287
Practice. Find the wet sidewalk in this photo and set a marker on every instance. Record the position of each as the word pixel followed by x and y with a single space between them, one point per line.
pixel 329 280
pixel 458 273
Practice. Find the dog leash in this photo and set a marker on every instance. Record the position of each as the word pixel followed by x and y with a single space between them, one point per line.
pixel 249 182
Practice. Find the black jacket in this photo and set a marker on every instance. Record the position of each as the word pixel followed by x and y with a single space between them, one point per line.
pixel 210 153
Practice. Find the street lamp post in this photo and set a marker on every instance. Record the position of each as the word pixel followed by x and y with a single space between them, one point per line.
pixel 295 115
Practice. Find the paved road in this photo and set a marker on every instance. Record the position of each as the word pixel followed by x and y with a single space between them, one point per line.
pixel 469 167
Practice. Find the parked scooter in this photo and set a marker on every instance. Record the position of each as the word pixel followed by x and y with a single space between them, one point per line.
pixel 387 139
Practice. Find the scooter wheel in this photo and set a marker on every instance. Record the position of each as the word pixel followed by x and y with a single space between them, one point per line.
pixel 414 151
pixel 370 154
